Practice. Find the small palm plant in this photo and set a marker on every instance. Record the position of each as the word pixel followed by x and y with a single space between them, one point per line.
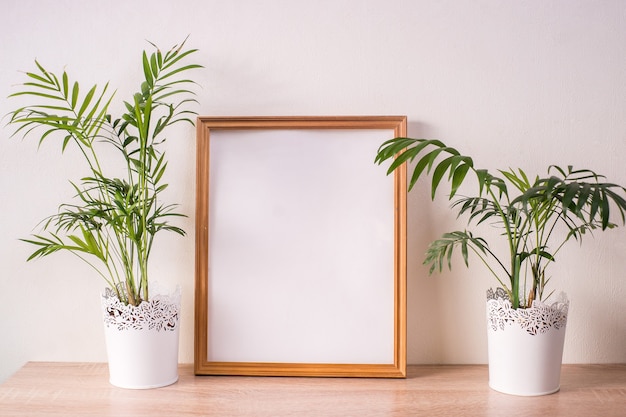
pixel 113 221
pixel 528 211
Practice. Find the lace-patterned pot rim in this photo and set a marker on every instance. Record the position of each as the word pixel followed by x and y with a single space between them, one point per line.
pixel 540 318
pixel 161 313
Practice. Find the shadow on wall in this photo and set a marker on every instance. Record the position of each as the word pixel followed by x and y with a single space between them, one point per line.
pixel 593 326
pixel 445 310
pixel 424 323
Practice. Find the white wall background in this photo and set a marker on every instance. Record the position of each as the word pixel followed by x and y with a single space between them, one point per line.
pixel 512 83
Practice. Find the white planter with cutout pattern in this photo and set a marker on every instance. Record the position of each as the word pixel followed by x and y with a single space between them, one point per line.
pixel 142 341
pixel 525 345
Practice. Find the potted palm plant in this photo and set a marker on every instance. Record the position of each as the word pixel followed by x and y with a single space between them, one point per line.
pixel 116 214
pixel 536 216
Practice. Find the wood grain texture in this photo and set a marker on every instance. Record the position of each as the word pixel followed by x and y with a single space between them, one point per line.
pixel 78 389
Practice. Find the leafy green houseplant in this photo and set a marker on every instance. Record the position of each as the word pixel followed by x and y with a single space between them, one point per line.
pixel 116 214
pixel 537 216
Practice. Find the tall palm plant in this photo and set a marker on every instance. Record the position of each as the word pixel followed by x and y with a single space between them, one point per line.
pixel 113 221
pixel 528 211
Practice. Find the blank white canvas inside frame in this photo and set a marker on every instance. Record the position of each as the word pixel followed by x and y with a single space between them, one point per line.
pixel 301 247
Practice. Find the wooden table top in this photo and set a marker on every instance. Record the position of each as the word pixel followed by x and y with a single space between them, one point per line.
pixel 82 389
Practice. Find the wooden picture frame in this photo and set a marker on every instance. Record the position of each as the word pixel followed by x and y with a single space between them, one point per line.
pixel 300 248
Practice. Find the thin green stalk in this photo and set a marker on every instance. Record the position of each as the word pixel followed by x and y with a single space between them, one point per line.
pixel 512 239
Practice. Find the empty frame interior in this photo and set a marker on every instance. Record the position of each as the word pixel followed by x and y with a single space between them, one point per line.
pixel 300 248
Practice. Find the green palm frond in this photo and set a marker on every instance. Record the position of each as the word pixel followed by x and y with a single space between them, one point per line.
pixel 579 200
pixel 112 222
pixel 440 251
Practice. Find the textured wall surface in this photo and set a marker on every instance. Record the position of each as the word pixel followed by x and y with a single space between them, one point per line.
pixel 520 84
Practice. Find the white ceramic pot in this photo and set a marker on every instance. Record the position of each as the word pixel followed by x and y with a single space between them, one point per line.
pixel 142 341
pixel 525 346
